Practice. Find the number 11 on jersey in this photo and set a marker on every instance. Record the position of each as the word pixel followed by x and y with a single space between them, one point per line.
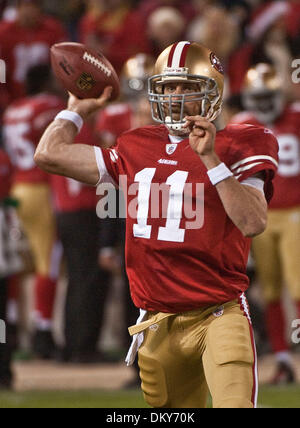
pixel 171 232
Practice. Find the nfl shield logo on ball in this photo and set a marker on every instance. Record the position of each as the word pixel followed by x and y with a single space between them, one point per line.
pixel 171 148
pixel 86 82
pixel 219 312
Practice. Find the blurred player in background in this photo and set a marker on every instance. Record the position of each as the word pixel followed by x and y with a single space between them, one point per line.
pixel 164 26
pixel 277 251
pixel 24 122
pixel 133 110
pixel 194 332
pixel 24 43
pixel 88 285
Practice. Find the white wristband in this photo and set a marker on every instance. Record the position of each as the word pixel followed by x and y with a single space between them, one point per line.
pixel 218 174
pixel 72 117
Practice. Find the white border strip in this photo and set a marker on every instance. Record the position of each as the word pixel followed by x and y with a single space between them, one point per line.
pixel 254 158
pixel 245 307
pixel 105 177
pixel 247 167
pixel 178 53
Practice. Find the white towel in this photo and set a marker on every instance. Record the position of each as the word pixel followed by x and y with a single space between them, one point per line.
pixel 137 341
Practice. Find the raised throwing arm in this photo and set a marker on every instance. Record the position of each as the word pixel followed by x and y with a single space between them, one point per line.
pixel 57 153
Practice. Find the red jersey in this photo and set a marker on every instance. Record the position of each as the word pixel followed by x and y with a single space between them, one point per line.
pixel 24 124
pixel 287 131
pixel 189 254
pixel 22 48
pixel 70 195
pixel 5 175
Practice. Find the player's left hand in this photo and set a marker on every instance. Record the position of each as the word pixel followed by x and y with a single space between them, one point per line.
pixel 202 135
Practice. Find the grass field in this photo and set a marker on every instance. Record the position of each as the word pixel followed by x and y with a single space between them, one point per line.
pixel 272 397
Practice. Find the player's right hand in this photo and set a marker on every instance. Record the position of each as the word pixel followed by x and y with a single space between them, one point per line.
pixel 87 107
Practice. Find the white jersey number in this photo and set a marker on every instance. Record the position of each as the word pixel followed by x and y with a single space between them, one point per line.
pixel 27 56
pixel 289 155
pixel 20 149
pixel 171 232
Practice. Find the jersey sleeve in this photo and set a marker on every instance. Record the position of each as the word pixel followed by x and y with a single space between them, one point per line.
pixel 109 165
pixel 254 150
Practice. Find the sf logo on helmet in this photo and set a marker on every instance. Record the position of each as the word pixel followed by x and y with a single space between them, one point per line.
pixel 2 71
pixel 216 63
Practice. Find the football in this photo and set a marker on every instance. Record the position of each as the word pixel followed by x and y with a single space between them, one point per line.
pixel 83 71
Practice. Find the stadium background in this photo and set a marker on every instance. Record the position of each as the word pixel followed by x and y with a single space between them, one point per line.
pixel 237 31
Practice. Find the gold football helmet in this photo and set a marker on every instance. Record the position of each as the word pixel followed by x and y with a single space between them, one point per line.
pixel 262 93
pixel 136 73
pixel 191 63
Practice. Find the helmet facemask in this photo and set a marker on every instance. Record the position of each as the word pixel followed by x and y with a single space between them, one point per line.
pixel 164 106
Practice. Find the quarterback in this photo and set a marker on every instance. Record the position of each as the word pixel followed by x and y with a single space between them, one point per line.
pixel 194 334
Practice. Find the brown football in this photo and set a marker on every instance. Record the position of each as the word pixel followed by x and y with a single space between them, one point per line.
pixel 83 71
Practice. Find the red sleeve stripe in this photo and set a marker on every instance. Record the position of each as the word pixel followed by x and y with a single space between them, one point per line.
pixel 177 56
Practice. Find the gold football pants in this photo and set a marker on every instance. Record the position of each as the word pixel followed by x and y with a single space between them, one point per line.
pixel 37 218
pixel 186 356
pixel 276 253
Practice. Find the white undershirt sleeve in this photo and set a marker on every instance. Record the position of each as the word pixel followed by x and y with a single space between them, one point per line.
pixel 104 176
pixel 255 182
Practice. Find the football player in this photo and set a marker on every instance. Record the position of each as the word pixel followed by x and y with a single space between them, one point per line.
pixel 24 43
pixel 187 271
pixel 24 122
pixel 277 250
